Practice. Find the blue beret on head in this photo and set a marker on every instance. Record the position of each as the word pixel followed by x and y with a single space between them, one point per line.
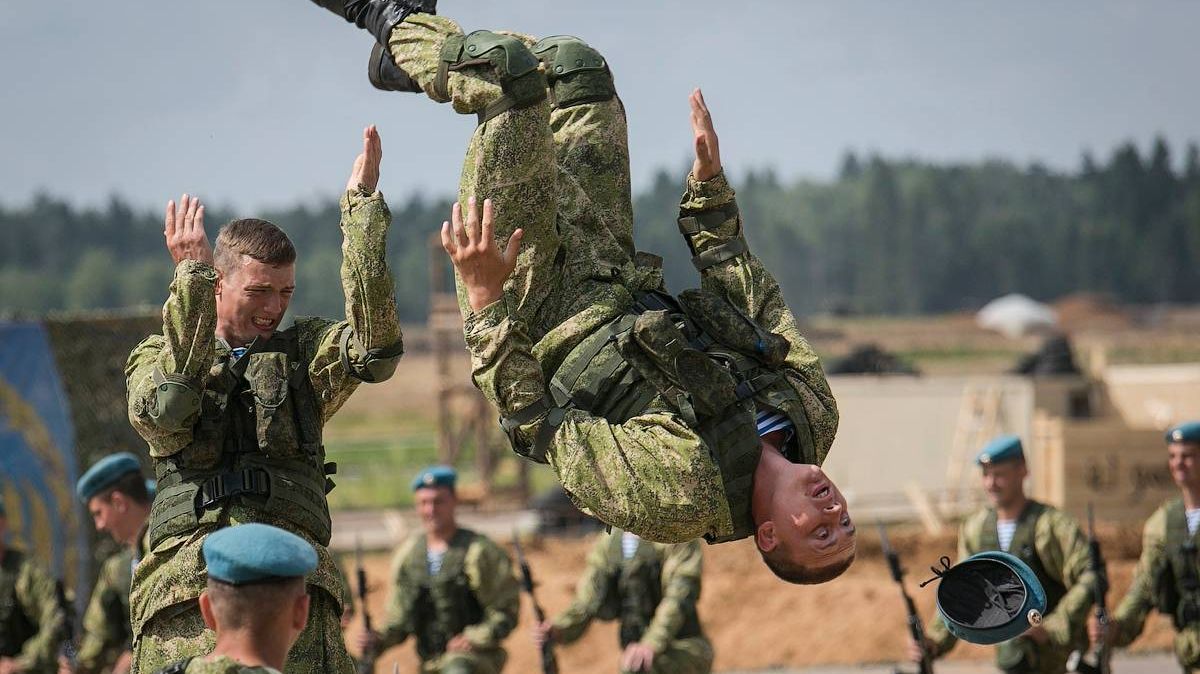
pixel 105 473
pixel 1185 432
pixel 990 597
pixel 253 553
pixel 1003 448
pixel 435 476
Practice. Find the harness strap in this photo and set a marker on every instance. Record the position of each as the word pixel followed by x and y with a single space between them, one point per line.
pixel 722 253
pixel 707 220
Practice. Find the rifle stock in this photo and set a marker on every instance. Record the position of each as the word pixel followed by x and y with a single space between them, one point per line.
pixel 549 661
pixel 915 628
pixel 366 660
pixel 1099 569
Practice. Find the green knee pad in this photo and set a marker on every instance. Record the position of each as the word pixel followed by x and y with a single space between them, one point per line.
pixel 516 68
pixel 576 72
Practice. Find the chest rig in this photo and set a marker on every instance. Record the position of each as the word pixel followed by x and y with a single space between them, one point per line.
pixel 697 356
pixel 1177 579
pixel 15 625
pixel 257 441
pixel 1024 546
pixel 444 603
pixel 633 591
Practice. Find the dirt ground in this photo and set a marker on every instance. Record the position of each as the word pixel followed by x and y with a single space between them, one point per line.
pixel 755 621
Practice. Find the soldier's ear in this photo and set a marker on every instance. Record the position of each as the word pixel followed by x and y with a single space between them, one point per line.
pixel 766 537
pixel 300 612
pixel 206 611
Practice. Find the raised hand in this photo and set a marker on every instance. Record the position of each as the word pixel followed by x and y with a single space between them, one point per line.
pixel 708 151
pixel 472 248
pixel 184 230
pixel 365 173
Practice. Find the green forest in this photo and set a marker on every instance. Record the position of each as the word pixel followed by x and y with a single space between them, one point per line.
pixel 886 236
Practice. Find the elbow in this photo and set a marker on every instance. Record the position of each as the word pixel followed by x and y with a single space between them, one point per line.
pixel 174 405
pixel 375 365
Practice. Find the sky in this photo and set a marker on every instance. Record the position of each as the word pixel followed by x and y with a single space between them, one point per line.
pixel 261 103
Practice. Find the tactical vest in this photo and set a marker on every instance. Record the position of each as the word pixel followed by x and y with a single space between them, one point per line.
pixel 257 441
pixel 444 604
pixel 1177 580
pixel 634 588
pixel 15 625
pixel 1023 546
pixel 697 356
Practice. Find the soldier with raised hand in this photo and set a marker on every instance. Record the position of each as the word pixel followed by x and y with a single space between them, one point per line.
pixel 233 408
pixel 115 493
pixel 453 590
pixel 1167 576
pixel 1043 537
pixel 31 620
pixel 255 600
pixel 703 415
pixel 651 589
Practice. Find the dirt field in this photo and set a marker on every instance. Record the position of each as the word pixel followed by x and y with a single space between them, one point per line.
pixel 755 621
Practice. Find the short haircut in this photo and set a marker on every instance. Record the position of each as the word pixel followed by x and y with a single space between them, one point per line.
pixel 132 485
pixel 252 606
pixel 259 239
pixel 799 574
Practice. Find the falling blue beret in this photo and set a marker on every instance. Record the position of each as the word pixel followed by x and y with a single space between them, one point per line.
pixel 105 473
pixel 1003 448
pixel 1185 432
pixel 254 553
pixel 435 476
pixel 990 597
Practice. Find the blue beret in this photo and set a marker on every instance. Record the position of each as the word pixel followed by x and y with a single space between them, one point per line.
pixel 253 553
pixel 435 476
pixel 1003 448
pixel 152 488
pixel 990 597
pixel 1185 432
pixel 105 473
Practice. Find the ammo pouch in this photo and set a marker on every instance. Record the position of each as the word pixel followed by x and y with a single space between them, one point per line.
pixel 1017 656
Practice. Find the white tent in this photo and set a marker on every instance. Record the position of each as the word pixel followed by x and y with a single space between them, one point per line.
pixel 1016 315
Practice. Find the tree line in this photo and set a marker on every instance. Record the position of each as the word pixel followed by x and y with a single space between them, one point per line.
pixel 885 237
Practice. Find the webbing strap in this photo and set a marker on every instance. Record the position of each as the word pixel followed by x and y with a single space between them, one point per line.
pixel 707 220
pixel 721 253
pixel 563 382
pixel 451 50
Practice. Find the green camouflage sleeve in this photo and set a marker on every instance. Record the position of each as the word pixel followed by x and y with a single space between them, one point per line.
pixel 490 574
pixel 682 566
pixel 183 351
pixel 589 595
pixel 746 282
pixel 36 594
pixel 371 332
pixel 398 621
pixel 936 632
pixel 105 634
pixel 1063 550
pixel 651 475
pixel 1126 623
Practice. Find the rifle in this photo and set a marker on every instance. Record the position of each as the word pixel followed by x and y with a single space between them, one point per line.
pixel 1099 569
pixel 549 662
pixel 915 628
pixel 66 648
pixel 366 660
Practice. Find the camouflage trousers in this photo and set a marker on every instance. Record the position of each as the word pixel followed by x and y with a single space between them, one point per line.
pixel 684 656
pixel 479 662
pixel 173 635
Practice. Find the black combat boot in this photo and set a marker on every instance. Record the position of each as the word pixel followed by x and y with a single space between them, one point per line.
pixel 378 17
pixel 385 75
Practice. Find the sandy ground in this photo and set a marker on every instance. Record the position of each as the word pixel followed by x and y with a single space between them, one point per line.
pixel 759 623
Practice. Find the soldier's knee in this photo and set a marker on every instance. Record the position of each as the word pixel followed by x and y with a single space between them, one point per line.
pixel 514 65
pixel 576 72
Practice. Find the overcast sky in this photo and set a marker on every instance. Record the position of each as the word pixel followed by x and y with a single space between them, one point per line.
pixel 255 103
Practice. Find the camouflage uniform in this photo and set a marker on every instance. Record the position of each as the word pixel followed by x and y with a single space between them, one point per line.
pixel 653 594
pixel 1160 542
pixel 220 665
pixel 474 593
pixel 166 619
pixel 561 174
pixel 106 629
pixel 1052 544
pixel 31 620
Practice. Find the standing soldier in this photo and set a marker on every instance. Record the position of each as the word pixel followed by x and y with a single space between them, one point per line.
pixel 115 493
pixel 652 590
pixel 452 589
pixel 1043 537
pixel 1168 574
pixel 31 620
pixel 233 409
pixel 254 599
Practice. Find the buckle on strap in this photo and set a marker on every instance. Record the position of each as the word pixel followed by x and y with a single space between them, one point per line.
pixel 707 220
pixel 721 253
pixel 253 481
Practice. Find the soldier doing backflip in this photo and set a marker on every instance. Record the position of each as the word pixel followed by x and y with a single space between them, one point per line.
pixel 705 415
pixel 233 407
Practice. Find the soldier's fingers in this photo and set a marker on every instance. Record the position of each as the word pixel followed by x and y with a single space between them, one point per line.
pixel 200 219
pixel 487 233
pixel 447 240
pixel 169 221
pixel 512 249
pixel 189 218
pixel 374 143
pixel 456 222
pixel 472 227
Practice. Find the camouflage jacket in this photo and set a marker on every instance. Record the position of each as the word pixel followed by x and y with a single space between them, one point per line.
pixel 224 665
pixel 681 565
pixel 621 473
pixel 174 571
pixel 1062 550
pixel 29 606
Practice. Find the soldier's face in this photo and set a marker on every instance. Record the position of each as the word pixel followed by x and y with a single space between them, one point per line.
pixel 252 298
pixel 811 519
pixel 1004 482
pixel 436 506
pixel 1184 461
pixel 112 515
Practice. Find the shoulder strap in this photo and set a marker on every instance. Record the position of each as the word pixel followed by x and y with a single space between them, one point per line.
pixel 989 538
pixel 1177 528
